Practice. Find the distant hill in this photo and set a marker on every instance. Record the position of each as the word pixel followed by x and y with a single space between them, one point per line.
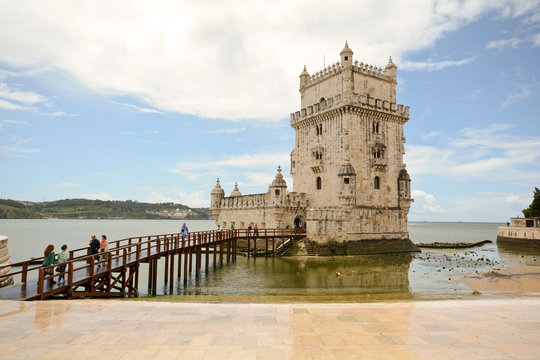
pixel 98 209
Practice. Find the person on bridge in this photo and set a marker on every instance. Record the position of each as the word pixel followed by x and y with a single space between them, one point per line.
pixel 50 259
pixel 104 247
pixel 249 230
pixel 94 246
pixel 256 230
pixel 184 231
pixel 62 258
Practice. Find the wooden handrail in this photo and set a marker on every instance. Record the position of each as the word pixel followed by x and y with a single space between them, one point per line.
pixel 134 245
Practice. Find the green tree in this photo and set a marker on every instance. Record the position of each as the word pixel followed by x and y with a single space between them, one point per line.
pixel 534 208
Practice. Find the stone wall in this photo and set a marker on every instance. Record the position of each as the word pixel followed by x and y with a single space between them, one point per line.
pixel 4 259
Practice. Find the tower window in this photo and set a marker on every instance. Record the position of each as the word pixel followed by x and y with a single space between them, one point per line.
pixel 319 183
pixel 377 183
pixel 346 58
pixel 346 181
pixel 318 130
pixel 277 192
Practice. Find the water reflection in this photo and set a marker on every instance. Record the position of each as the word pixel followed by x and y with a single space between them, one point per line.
pixel 515 253
pixel 304 276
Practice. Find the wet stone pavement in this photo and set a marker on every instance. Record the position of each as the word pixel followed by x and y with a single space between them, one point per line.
pixel 502 328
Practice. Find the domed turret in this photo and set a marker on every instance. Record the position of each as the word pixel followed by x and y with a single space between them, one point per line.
pixel 278 180
pixel 347 183
pixel 235 191
pixel 304 77
pixel 404 184
pixel 391 69
pixel 216 195
pixel 278 189
pixel 346 55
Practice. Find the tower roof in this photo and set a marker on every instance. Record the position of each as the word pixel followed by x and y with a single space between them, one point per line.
pixel 279 181
pixel 346 168
pixel 235 191
pixel 218 190
pixel 346 50
pixel 390 64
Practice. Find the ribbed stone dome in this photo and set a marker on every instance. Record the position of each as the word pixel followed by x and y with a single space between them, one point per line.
pixel 346 168
pixel 218 190
pixel 235 191
pixel 404 175
pixel 278 180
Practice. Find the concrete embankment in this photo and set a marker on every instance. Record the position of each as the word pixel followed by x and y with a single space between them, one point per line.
pixel 4 260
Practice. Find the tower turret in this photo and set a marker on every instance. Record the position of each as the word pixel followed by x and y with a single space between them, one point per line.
pixel 278 189
pixel 347 181
pixel 391 70
pixel 235 191
pixel 346 56
pixel 304 78
pixel 216 196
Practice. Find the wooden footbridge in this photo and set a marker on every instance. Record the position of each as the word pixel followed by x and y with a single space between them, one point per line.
pixel 116 273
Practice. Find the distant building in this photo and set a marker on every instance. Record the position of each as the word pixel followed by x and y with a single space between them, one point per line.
pixel 351 191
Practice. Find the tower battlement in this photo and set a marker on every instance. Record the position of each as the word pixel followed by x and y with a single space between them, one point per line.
pixel 337 68
pixel 361 101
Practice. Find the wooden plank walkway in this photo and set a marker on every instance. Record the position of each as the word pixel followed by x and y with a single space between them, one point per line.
pixel 116 273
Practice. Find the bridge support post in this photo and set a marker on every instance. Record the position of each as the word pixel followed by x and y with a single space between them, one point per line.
pixel 249 247
pixel 171 283
pixel 255 248
pixel 185 252
pixel 221 252
pixel 154 282
pixel 266 248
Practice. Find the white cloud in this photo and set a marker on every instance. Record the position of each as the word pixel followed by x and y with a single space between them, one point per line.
pixel 155 197
pixel 512 199
pixel 137 108
pixel 424 204
pixel 201 58
pixel 68 184
pixel 98 196
pixel 8 105
pixel 245 161
pixel 227 131
pixel 430 65
pixel 23 97
pixel 491 153
pixel 536 40
pixel 194 200
pixel 522 92
pixel 17 147
pixel 503 43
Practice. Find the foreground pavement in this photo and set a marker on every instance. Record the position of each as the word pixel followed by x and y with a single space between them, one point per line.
pixel 116 329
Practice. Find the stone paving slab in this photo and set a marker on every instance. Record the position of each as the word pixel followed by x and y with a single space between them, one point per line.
pixel 506 328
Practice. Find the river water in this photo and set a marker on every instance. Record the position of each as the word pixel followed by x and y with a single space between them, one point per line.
pixel 432 273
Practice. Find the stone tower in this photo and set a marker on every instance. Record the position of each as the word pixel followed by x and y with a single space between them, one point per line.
pixel 351 192
pixel 348 157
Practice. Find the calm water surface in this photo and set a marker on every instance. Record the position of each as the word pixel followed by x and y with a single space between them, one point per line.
pixel 430 272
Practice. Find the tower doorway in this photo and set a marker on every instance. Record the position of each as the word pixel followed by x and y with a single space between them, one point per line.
pixel 299 225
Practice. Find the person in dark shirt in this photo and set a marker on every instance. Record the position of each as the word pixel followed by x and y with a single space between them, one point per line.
pixel 94 246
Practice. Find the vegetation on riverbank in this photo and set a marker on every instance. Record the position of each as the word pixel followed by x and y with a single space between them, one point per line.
pixel 98 209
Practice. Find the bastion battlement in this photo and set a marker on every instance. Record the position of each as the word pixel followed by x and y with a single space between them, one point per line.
pixel 259 200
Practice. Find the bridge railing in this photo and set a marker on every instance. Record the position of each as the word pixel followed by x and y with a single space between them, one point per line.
pixel 149 245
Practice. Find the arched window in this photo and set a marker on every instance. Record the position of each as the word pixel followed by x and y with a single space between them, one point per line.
pixel 277 192
pixel 319 183
pixel 377 183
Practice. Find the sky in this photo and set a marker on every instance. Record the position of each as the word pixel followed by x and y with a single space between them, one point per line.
pixel 152 101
